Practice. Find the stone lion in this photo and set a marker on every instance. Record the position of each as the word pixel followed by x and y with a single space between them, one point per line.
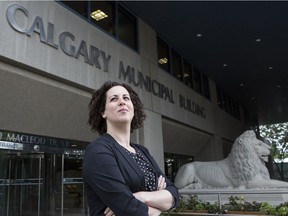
pixel 243 168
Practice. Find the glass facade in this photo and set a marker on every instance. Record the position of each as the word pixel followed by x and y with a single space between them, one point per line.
pixel 197 80
pixel 228 104
pixel 127 28
pixel 40 178
pixel 182 69
pixel 108 24
pixel 206 89
pixel 80 7
pixel 109 16
pixel 176 65
pixel 163 55
pixel 187 74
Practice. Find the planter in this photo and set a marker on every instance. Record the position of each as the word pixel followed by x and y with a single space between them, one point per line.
pixel 247 212
pixel 186 212
pixel 196 212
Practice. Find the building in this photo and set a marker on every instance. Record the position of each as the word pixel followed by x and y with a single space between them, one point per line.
pixel 50 62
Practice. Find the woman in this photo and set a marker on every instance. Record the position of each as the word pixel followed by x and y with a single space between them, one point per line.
pixel 121 178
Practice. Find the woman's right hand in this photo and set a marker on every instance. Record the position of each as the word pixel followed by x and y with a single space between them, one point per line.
pixel 161 183
pixel 108 212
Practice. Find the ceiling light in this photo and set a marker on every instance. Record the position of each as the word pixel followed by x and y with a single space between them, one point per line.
pixel 163 61
pixel 98 15
pixel 270 68
pixel 199 35
pixel 241 84
pixel 225 65
pixel 258 40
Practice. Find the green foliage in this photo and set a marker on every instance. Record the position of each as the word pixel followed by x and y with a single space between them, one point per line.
pixel 194 204
pixel 182 205
pixel 214 208
pixel 268 208
pixel 277 135
pixel 282 209
pixel 235 204
pixel 240 204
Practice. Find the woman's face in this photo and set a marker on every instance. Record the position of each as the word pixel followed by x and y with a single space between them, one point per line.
pixel 119 107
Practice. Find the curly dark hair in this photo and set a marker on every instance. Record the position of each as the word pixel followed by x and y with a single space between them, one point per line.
pixel 98 102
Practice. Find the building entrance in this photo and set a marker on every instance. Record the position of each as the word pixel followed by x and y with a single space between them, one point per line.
pixel 41 183
pixel 21 183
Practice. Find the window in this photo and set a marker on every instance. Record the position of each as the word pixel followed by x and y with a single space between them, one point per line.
pixel 104 15
pixel 206 89
pixel 163 55
pixel 81 7
pixel 176 65
pixel 187 74
pixel 197 80
pixel 219 98
pixel 127 29
pixel 228 104
pixel 106 23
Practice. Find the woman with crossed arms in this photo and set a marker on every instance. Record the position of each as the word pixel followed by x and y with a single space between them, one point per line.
pixel 121 178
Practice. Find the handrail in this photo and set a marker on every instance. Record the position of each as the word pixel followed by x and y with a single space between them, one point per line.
pixel 220 192
pixel 234 191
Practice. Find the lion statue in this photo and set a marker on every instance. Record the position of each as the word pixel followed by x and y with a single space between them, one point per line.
pixel 243 168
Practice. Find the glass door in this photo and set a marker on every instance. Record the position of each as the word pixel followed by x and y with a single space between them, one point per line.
pixel 70 187
pixel 40 176
pixel 21 183
pixel 41 184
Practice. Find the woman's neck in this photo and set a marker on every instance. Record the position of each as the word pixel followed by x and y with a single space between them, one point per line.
pixel 122 136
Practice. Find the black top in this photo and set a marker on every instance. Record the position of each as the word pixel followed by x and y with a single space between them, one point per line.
pixel 111 177
pixel 147 169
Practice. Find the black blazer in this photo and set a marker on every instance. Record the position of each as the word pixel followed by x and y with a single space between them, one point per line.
pixel 111 178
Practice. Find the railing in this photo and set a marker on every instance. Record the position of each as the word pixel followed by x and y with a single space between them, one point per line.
pixel 246 192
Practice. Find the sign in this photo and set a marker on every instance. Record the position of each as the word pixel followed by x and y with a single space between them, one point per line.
pixel 17 141
pixel 11 145
pixel 66 42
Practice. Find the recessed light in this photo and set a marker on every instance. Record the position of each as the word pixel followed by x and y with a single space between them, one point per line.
pixel 199 35
pixel 241 84
pixel 98 15
pixel 163 61
pixel 225 65
pixel 270 68
pixel 258 40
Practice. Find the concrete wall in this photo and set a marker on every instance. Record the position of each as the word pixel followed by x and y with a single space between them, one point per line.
pixel 35 104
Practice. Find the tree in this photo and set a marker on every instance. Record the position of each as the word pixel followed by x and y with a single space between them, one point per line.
pixel 277 135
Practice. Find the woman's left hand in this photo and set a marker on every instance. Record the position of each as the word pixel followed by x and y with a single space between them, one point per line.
pixel 109 212
pixel 161 183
